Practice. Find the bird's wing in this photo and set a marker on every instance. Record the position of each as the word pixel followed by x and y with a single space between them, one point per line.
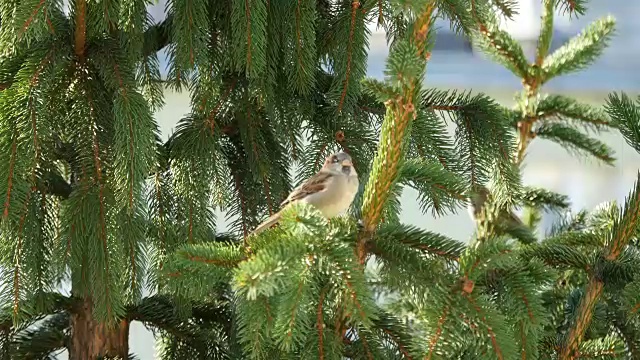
pixel 515 219
pixel 314 184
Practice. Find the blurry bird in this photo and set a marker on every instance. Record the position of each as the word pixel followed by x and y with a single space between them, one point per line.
pixel 331 190
pixel 478 201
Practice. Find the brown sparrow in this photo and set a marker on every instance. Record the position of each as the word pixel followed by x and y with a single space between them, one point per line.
pixel 478 200
pixel 331 190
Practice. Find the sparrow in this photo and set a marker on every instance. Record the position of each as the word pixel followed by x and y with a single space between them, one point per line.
pixel 331 190
pixel 506 222
pixel 477 202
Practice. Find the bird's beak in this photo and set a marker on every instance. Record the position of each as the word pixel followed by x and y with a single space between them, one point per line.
pixel 346 163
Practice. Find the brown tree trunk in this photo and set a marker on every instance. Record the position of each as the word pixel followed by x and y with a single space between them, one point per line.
pixel 92 340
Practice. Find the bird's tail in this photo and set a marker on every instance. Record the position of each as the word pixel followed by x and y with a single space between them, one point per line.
pixel 273 219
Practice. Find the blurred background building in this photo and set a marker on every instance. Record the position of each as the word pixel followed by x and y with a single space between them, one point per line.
pixel 454 65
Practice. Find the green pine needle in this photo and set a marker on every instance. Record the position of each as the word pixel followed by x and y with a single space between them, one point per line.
pixel 625 115
pixel 502 48
pixel 564 109
pixel 576 142
pixel 581 51
pixel 439 190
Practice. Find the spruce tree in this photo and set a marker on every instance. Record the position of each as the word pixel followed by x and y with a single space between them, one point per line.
pixel 93 196
pixel 507 294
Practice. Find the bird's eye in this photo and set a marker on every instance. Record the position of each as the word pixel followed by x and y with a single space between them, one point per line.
pixel 334 159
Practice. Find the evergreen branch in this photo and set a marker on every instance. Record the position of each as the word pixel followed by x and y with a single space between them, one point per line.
pixel 348 56
pixel 439 189
pixel 250 36
pixel 542 198
pixel 626 226
pixel 430 133
pixel 546 32
pixel 501 46
pixel 11 173
pixel 150 81
pixel 608 347
pixel 485 256
pixel 249 186
pixel 244 217
pixel 503 347
pixel 254 326
pixel 102 231
pixel 625 115
pixel 29 21
pixel 433 341
pixel 484 143
pixel 89 208
pixel 354 11
pixel 620 272
pixel 265 156
pixel 305 42
pixel 134 141
pixel 406 63
pixel 33 309
pixel 561 107
pixel 582 319
pixel 628 330
pixel 402 265
pixel 264 273
pixel 320 322
pixel 33 17
pixel 508 8
pixel 569 222
pixel 42 341
pixel 430 140
pixel 195 155
pixel 460 19
pixel 572 238
pixel 188 35
pixel 201 333
pixel 573 6
pixel 214 258
pixel 477 122
pixel 379 90
pixel 9 67
pixel 516 284
pixel 575 141
pixel 295 314
pixel 393 329
pixel 423 241
pixel 18 259
pixel 23 169
pixel 357 298
pixel 580 51
pixel 162 312
pixel 559 254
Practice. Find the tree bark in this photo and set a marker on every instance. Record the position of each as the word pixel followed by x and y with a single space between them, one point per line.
pixel 92 340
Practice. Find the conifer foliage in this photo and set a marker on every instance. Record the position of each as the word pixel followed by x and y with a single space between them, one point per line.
pixel 93 197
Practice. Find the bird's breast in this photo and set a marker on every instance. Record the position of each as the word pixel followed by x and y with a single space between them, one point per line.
pixel 337 197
